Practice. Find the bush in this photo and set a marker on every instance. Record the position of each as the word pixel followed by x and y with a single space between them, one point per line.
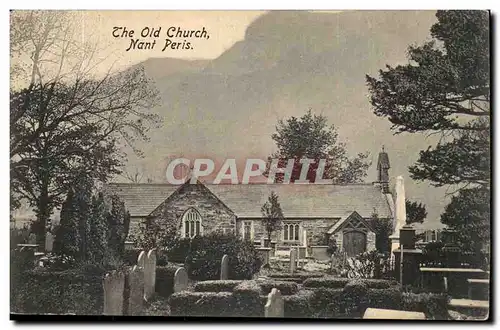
pixel 131 256
pixel 77 291
pixel 379 284
pixel 388 298
pixel 326 282
pixel 164 285
pixel 206 252
pixel 286 288
pixel 248 301
pixel 322 297
pixel 202 304
pixel 299 305
pixel 216 286
pixel 434 306
pixel 354 298
pixel 302 276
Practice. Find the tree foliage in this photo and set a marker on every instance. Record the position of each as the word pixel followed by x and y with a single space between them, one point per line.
pixel 91 229
pixel 310 137
pixel 469 214
pixel 415 212
pixel 445 89
pixel 68 117
pixel 272 215
pixel 383 230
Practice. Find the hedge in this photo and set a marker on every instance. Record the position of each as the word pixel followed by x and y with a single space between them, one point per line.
pixel 434 306
pixel 204 254
pixel 286 288
pixel 321 298
pixel 379 284
pixel 216 286
pixel 389 298
pixel 202 304
pixel 248 302
pixel 77 291
pixel 326 282
pixel 299 305
pixel 164 286
pixel 301 276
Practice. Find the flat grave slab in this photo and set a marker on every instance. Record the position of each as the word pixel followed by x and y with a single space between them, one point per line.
pixel 391 314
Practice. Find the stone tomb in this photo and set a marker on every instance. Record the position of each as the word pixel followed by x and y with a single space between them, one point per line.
pixel 391 314
pixel 275 306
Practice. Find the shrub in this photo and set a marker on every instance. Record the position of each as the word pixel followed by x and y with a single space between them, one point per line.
pixel 299 305
pixel 354 298
pixel 248 301
pixel 434 306
pixel 164 285
pixel 206 252
pixel 216 286
pixel 302 276
pixel 77 291
pixel 388 298
pixel 379 284
pixel 286 288
pixel 322 297
pixel 202 304
pixel 130 256
pixel 326 282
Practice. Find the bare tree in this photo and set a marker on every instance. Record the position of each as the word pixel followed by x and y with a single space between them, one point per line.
pixel 68 119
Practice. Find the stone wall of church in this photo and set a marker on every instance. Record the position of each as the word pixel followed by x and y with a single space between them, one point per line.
pixel 316 229
pixel 215 215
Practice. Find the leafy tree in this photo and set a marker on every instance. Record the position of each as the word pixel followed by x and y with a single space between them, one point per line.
pixel 66 122
pixel 98 231
pixel 445 89
pixel 272 215
pixel 415 212
pixel 310 137
pixel 118 221
pixel 383 230
pixel 469 214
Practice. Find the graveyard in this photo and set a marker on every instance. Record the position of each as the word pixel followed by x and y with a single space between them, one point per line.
pixel 283 285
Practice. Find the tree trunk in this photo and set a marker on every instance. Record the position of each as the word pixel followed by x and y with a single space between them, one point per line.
pixel 43 217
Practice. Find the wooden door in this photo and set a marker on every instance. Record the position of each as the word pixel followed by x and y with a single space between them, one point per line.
pixel 354 242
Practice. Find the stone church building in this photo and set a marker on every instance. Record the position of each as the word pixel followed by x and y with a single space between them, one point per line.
pixel 323 210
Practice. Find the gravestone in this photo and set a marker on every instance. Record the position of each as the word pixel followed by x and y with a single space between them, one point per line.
pixel 114 285
pixel 180 280
pixel 141 260
pixel 136 291
pixel 224 268
pixel 150 274
pixel 32 239
pixel 275 306
pixel 49 242
pixel 304 242
pixel 262 242
pixel 293 260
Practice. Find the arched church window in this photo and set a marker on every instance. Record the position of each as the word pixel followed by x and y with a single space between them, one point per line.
pixel 192 223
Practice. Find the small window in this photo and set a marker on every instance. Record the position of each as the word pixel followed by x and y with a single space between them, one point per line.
pixel 247 229
pixel 291 231
pixel 192 223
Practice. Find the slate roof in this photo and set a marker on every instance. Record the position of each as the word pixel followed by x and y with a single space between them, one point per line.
pixel 297 201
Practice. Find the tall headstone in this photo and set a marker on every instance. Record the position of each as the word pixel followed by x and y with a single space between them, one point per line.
pixel 400 213
pixel 136 291
pixel 180 280
pixel 150 274
pixel 224 268
pixel 275 306
pixel 293 260
pixel 114 285
pixel 49 242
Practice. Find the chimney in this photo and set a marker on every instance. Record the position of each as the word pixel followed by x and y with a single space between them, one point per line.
pixel 383 170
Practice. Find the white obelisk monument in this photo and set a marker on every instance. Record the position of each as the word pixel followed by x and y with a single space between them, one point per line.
pixel 400 213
